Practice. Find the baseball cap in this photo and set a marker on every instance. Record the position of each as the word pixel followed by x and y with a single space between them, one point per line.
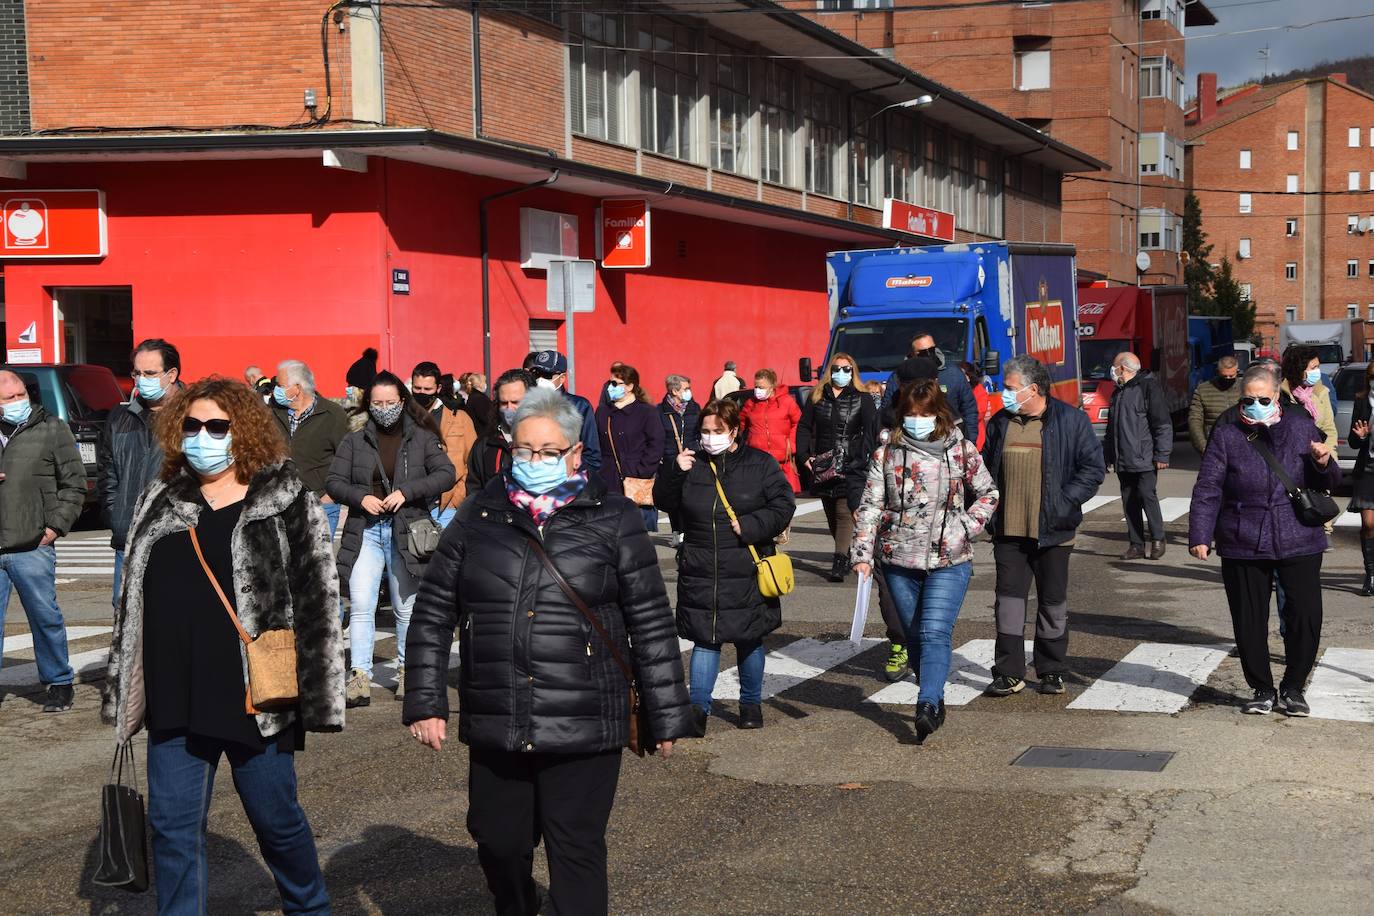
pixel 550 363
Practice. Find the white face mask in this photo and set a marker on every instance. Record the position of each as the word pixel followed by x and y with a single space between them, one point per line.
pixel 545 383
pixel 685 395
pixel 761 393
pixel 715 443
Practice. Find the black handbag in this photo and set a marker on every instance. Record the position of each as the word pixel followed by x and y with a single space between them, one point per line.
pixel 1314 508
pixel 123 845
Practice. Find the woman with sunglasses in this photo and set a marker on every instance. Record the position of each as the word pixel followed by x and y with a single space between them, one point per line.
pixel 631 436
pixel 227 529
pixel 1243 507
pixel 838 431
pixel 388 474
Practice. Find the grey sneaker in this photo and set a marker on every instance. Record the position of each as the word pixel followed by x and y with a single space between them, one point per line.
pixel 1052 683
pixel 1261 705
pixel 400 682
pixel 1293 703
pixel 60 698
pixel 359 689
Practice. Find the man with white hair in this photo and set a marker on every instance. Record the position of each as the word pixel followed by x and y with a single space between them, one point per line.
pixel 313 427
pixel 1138 443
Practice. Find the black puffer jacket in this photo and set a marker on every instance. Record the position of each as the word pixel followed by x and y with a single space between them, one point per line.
pixel 680 431
pixel 718 598
pixel 128 458
pixel 534 675
pixel 423 472
pixel 849 421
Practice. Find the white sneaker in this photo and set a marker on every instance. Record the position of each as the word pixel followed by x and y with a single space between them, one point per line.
pixel 678 537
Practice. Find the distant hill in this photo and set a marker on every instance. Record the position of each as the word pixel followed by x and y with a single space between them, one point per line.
pixel 1359 70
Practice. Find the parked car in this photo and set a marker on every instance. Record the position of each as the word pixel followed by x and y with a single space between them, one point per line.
pixel 82 395
pixel 1345 389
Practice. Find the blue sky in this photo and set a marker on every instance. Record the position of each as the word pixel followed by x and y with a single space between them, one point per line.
pixel 1235 58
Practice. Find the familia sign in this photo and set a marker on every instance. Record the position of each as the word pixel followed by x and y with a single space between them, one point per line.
pixel 920 221
pixel 622 239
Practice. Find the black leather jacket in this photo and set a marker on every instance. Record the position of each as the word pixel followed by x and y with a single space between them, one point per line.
pixel 849 421
pixel 128 458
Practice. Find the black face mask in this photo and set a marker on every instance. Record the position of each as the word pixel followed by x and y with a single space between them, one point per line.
pixel 425 400
pixel 1224 384
pixel 935 354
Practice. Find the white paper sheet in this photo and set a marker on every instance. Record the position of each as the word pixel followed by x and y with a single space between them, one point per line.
pixel 856 629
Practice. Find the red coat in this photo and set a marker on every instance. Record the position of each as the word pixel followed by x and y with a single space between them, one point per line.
pixel 985 410
pixel 771 426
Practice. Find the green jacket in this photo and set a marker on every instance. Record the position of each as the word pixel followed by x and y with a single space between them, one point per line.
pixel 1209 402
pixel 312 448
pixel 44 485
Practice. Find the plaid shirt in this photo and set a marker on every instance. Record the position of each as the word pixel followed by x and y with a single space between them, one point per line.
pixel 294 420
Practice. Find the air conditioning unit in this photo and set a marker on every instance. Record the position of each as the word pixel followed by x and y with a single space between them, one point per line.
pixel 546 236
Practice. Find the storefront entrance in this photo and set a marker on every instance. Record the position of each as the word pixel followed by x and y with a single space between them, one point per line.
pixel 97 326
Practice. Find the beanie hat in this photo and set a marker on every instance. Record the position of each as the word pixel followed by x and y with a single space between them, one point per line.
pixel 363 371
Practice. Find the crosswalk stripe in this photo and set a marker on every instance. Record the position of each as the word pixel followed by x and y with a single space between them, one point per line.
pixel 1092 505
pixel 970 672
pixel 793 664
pixel 384 673
pixel 1153 677
pixel 23 641
pixel 805 508
pixel 1172 507
pixel 84 663
pixel 1342 687
pixel 84 570
pixel 1348 520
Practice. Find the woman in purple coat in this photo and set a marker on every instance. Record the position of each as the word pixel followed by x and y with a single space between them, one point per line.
pixel 1240 505
pixel 631 439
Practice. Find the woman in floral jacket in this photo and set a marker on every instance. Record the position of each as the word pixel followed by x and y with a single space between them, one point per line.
pixel 913 520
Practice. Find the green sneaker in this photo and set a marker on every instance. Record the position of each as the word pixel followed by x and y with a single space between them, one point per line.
pixel 896 666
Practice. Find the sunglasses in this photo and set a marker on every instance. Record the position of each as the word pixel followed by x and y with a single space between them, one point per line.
pixel 217 429
pixel 1250 401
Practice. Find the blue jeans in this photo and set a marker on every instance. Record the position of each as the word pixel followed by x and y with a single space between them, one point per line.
pixel 443 516
pixel 706 665
pixel 928 602
pixel 181 777
pixel 331 515
pixel 118 577
pixel 378 554
pixel 33 573
pixel 650 518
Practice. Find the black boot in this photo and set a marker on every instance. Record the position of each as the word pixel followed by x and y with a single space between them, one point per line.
pixel 1367 548
pixel 750 716
pixel 699 717
pixel 838 568
pixel 928 719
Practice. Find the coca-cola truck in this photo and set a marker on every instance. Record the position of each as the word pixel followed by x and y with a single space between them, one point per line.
pixel 1149 321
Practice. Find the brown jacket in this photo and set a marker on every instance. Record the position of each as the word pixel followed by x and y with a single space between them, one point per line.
pixel 459 436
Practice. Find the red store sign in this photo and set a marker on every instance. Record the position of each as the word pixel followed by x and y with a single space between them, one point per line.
pixel 53 224
pixel 623 233
pixel 914 220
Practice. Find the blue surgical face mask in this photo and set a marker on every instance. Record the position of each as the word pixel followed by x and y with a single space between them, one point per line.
pixel 279 395
pixel 150 389
pixel 537 476
pixel 615 392
pixel 206 454
pixel 1258 412
pixel 17 412
pixel 508 416
pixel 919 427
pixel 1313 377
pixel 1010 399
pixel 842 377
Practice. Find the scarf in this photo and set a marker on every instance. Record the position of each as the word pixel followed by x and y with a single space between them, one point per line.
pixel 1304 396
pixel 541 505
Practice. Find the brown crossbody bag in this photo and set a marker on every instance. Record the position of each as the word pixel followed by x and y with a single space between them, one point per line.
pixel 639 740
pixel 271 657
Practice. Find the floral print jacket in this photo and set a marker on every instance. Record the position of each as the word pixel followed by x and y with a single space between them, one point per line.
pixel 913 513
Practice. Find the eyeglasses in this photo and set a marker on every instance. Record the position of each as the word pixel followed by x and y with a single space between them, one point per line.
pixel 147 373
pixel 546 455
pixel 1249 402
pixel 217 428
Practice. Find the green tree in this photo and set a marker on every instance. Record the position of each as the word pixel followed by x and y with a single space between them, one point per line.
pixel 1226 300
pixel 1198 272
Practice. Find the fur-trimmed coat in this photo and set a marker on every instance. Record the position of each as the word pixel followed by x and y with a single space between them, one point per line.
pixel 284 576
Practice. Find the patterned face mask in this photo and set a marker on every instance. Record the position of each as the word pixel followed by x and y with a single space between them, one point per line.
pixel 386 417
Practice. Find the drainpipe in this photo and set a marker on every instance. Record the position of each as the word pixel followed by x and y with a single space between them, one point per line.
pixel 477 77
pixel 486 275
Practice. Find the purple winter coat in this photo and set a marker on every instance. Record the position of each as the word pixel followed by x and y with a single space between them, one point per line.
pixel 1241 505
pixel 637 447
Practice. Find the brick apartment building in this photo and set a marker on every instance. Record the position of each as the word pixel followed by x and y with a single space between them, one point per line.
pixel 281 180
pixel 1104 76
pixel 1285 177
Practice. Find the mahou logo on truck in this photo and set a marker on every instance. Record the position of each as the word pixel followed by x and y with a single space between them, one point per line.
pixel 908 282
pixel 1045 328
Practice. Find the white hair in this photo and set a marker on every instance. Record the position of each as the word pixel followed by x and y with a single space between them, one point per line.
pixel 298 373
pixel 543 402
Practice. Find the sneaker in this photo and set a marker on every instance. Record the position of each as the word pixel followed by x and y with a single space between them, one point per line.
pixel 1004 686
pixel 60 698
pixel 400 682
pixel 1052 683
pixel 678 538
pixel 359 689
pixel 1135 552
pixel 839 568
pixel 928 719
pixel 1261 705
pixel 1293 703
pixel 897 662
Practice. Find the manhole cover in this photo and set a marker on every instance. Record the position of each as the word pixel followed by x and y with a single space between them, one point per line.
pixel 1093 758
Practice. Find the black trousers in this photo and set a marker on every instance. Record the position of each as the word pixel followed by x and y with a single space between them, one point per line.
pixel 1249 584
pixel 1020 561
pixel 516 798
pixel 896 633
pixel 1140 496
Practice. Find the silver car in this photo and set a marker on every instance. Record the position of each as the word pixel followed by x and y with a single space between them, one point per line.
pixel 1348 383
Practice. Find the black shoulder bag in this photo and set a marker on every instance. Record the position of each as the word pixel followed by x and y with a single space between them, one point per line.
pixel 1314 507
pixel 639 740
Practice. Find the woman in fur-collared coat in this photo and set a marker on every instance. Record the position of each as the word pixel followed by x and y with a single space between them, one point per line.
pixel 227 538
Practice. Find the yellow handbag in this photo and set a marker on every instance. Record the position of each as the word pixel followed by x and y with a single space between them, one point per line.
pixel 774 573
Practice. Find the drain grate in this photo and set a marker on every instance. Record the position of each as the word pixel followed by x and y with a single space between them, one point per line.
pixel 1092 758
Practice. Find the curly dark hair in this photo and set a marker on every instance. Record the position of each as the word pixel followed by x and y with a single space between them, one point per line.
pixel 1295 360
pixel 257 441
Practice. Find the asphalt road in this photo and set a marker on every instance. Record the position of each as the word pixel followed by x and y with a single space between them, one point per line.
pixel 832 807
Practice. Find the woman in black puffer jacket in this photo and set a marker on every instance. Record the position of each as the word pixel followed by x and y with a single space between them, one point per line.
pixel 838 419
pixel 543 703
pixel 718 598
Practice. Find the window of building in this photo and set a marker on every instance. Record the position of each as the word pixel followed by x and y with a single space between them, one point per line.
pixel 667 88
pixel 1352 181
pixel 1160 229
pixel 1371 270
pixel 596 76
pixel 1290 270
pixel 865 153
pixel 835 6
pixel 961 183
pixel 1170 11
pixel 937 171
pixel 824 140
pixel 1161 78
pixel 903 164
pixel 1353 140
pixel 1290 313
pixel 1352 310
pixel 1352 223
pixel 1245 292
pixel 1031 63
pixel 1352 269
pixel 1246 200
pixel 1243 250
pixel 986 192
pixel 1161 154
pixel 1291 184
pixel 1369 315
pixel 730 113
pixel 1245 158
pixel 777 123
pixel 1290 227
pixel 1292 139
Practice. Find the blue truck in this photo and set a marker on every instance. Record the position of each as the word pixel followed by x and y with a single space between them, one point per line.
pixel 983 303
pixel 1210 337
